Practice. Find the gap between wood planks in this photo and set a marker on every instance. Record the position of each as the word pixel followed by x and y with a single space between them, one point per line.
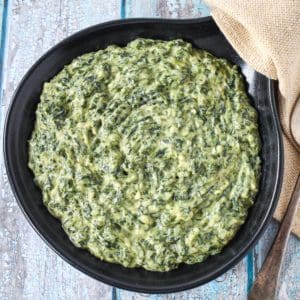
pixel 116 295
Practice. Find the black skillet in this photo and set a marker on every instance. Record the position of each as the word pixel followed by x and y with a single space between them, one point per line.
pixel 202 33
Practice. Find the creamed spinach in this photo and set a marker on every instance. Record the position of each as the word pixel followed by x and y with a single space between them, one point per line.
pixel 148 154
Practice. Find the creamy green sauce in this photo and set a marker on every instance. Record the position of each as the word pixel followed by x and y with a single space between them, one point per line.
pixel 148 154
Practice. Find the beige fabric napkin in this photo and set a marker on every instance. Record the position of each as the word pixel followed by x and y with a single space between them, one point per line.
pixel 266 34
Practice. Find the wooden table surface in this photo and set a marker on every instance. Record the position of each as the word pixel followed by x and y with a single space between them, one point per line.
pixel 28 268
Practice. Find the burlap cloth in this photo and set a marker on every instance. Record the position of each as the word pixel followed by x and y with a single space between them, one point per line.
pixel 266 34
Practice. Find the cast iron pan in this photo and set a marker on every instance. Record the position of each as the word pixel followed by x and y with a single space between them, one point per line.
pixel 202 33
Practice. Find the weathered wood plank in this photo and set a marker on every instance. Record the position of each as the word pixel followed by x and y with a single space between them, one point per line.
pixel 1 15
pixel 289 285
pixel 227 286
pixel 290 279
pixel 290 276
pixel 166 9
pixel 232 285
pixel 29 269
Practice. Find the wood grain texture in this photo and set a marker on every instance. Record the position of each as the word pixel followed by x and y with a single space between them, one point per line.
pixel 166 9
pixel 226 287
pixel 29 269
pixel 266 282
pixel 235 283
pixel 1 16
pixel 289 283
pixel 232 285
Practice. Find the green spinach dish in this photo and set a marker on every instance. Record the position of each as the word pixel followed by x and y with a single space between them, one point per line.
pixel 148 154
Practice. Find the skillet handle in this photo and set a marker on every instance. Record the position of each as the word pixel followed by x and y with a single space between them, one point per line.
pixel 265 284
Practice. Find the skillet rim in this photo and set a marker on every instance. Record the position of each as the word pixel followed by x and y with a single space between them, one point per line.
pixel 100 276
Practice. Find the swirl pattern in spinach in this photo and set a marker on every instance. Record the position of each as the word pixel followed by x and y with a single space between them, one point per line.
pixel 148 154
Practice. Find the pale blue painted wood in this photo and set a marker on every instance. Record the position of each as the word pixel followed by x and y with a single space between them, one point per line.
pixel 29 269
pixel 289 287
pixel 244 274
pixel 3 23
pixel 1 15
pixel 232 285
pixel 165 9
